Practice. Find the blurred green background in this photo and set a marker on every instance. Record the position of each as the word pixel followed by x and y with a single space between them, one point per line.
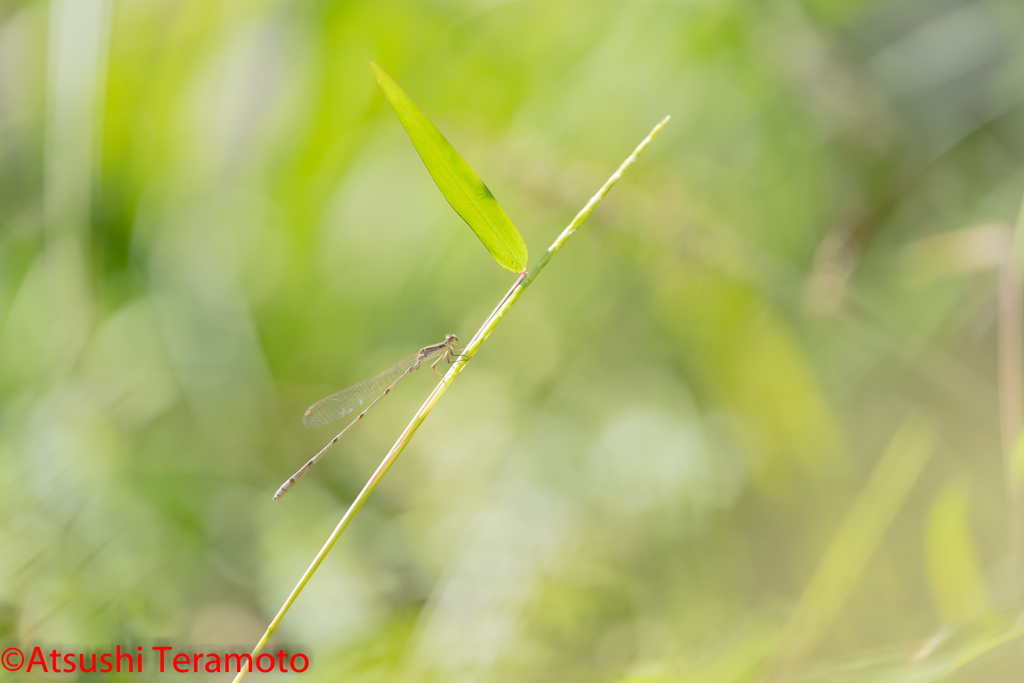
pixel 746 427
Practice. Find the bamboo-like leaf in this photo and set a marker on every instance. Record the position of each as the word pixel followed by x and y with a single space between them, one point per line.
pixel 459 184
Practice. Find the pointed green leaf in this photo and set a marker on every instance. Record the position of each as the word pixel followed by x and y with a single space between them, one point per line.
pixel 458 183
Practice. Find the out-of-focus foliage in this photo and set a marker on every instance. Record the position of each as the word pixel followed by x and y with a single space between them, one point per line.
pixel 665 465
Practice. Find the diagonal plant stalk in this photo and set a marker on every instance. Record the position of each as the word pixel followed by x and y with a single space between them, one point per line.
pixel 524 281
pixel 1011 398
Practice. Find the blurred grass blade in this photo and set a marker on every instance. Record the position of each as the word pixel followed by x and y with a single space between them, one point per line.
pixel 855 543
pixel 954 569
pixel 738 660
pixel 947 652
pixel 459 184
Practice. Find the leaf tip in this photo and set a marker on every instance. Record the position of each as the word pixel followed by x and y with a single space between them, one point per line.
pixel 378 72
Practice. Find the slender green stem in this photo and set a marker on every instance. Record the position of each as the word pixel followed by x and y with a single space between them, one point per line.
pixel 471 348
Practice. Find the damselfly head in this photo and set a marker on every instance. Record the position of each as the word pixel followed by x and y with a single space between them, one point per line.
pixel 451 339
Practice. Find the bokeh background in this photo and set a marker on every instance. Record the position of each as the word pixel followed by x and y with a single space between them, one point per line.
pixel 749 425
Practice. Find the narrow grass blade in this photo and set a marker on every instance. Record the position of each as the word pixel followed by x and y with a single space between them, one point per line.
pixel 459 184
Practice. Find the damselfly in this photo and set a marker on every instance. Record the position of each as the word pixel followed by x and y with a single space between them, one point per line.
pixel 369 391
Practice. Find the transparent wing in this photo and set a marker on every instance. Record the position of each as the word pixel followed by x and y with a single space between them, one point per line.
pixel 337 406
